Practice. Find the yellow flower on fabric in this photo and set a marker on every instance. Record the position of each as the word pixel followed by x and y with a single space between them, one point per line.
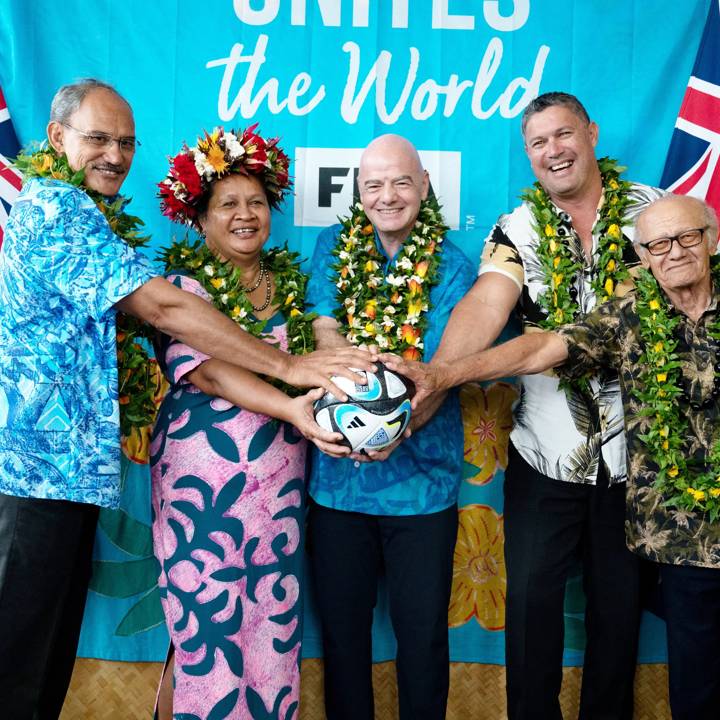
pixel 235 312
pixel 659 346
pixel 609 286
pixel 661 377
pixel 556 261
pixel 673 471
pixel 614 231
pixel 665 444
pixel 295 312
pixel 549 230
pixel 613 247
pixel 557 279
pixel 216 158
pixel 699 495
pixel 370 327
pixel 217 283
pixel 289 298
pixel 613 185
pixel 479 581
pixel 421 268
pixel 371 266
pixel 610 267
pixel 487 421
pixel 654 305
pixel 559 316
pixel 370 309
pixel 715 492
pixel 553 247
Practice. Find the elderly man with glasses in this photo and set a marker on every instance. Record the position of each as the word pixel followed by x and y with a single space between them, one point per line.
pixel 63 275
pixel 663 339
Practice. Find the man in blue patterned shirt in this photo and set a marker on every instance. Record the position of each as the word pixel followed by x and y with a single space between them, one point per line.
pixel 63 275
pixel 399 513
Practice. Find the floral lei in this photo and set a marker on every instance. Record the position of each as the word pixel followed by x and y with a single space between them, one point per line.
pixel 137 381
pixel 660 387
pixel 557 263
pixel 223 282
pixel 387 310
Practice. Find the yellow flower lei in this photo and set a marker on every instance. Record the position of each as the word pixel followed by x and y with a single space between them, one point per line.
pixel 137 381
pixel 388 310
pixel 559 267
pixel 222 281
pixel 679 485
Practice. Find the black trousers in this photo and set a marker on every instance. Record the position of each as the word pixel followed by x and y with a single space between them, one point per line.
pixel 45 564
pixel 348 551
pixel 549 525
pixel 691 599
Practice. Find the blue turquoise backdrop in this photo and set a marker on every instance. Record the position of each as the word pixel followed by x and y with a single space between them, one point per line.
pixel 451 75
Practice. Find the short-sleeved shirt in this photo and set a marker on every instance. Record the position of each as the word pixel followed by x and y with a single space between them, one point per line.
pixel 61 271
pixel 556 433
pixel 423 473
pixel 609 337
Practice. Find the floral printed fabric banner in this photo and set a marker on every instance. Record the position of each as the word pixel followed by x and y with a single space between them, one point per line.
pixel 453 76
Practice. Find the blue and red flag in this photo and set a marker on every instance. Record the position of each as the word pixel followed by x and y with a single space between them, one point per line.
pixel 9 179
pixel 692 165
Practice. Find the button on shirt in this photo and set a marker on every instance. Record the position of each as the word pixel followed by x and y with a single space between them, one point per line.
pixel 61 271
pixel 423 474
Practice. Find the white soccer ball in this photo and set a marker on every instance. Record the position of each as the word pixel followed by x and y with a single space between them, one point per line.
pixel 374 415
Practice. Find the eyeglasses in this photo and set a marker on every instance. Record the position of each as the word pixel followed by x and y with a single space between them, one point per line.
pixel 686 239
pixel 101 140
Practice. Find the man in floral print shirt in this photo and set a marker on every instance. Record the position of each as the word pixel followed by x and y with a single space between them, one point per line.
pixel 63 276
pixel 663 339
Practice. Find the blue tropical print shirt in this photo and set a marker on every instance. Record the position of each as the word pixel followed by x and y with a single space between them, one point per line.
pixel 61 271
pixel 423 473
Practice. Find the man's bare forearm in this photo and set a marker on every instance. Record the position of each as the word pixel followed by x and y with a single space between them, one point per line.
pixel 526 355
pixel 197 323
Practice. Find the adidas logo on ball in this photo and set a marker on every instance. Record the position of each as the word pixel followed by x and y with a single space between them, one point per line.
pixel 374 415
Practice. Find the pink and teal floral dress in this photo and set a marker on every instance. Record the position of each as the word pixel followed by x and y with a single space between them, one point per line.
pixel 228 504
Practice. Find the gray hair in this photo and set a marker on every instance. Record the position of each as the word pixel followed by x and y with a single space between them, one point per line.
pixel 69 98
pixel 551 99
pixel 711 219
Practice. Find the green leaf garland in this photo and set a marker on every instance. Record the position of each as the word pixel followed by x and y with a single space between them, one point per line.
pixel 388 310
pixel 223 282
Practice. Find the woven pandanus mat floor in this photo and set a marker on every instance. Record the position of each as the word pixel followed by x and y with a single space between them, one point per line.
pixel 126 691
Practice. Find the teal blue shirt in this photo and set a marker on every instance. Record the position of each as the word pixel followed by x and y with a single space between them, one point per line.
pixel 62 270
pixel 423 474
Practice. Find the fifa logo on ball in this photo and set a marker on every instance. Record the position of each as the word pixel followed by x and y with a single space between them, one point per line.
pixel 374 415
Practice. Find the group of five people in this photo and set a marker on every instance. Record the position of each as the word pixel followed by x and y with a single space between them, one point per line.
pixel 236 323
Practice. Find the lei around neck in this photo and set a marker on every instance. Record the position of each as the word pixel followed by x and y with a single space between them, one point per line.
pixel 558 261
pixel 679 484
pixel 223 282
pixel 138 380
pixel 388 310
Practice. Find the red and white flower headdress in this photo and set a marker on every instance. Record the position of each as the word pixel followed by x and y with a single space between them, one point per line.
pixel 216 155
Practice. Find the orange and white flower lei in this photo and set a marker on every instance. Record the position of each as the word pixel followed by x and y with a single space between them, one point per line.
pixel 387 310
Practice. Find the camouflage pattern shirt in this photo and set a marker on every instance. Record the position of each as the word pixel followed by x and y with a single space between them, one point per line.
pixel 609 337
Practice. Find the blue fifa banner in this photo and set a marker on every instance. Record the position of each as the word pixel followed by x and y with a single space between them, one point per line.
pixel 453 76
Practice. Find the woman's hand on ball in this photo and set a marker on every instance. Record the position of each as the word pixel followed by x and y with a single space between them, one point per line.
pixel 300 414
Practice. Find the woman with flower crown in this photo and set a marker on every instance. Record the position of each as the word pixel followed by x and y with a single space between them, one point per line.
pixel 227 478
